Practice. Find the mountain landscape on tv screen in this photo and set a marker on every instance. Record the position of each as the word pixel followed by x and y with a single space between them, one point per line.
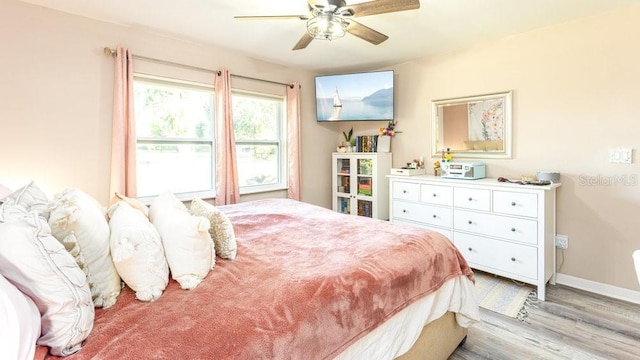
pixel 382 97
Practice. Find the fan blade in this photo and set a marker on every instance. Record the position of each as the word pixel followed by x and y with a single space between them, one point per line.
pixel 303 42
pixel 271 17
pixel 365 33
pixel 382 7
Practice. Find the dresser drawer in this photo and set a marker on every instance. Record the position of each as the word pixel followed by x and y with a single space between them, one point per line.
pixel 490 254
pixel 475 199
pixel 435 194
pixel 520 230
pixel 515 203
pixel 437 216
pixel 427 214
pixel 446 232
pixel 407 210
pixel 406 190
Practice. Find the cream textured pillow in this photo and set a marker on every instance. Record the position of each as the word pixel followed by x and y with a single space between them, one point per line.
pixel 221 230
pixel 31 197
pixel 20 321
pixel 186 240
pixel 39 266
pixel 80 224
pixel 137 251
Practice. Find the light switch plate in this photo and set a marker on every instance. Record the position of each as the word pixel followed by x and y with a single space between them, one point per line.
pixel 620 156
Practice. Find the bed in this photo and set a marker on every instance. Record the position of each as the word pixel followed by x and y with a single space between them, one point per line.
pixel 307 283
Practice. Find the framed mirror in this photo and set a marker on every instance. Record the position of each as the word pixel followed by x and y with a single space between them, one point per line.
pixel 473 127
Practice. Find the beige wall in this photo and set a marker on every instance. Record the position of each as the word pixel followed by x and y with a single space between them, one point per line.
pixel 56 94
pixel 576 94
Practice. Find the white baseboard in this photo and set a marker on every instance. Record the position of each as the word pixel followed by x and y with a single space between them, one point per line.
pixel 599 288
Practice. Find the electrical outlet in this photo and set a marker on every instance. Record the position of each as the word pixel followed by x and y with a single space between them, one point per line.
pixel 562 242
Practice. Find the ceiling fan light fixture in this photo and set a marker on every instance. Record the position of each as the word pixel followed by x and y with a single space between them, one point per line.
pixel 326 26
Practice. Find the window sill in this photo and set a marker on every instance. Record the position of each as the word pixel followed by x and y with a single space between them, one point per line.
pixel 262 189
pixel 184 197
pixel 208 195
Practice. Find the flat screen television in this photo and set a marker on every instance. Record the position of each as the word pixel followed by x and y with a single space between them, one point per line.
pixel 365 96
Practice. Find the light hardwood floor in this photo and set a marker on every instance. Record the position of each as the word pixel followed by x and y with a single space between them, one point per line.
pixel 570 324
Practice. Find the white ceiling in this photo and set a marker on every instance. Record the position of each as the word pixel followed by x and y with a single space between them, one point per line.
pixel 438 26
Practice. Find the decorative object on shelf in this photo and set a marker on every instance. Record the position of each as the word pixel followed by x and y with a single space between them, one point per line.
pixel 349 142
pixel 407 172
pixel 436 168
pixel 348 137
pixel 463 170
pixel 415 167
pixel 446 155
pixel 384 143
pixel 552 176
pixel 415 164
pixel 384 140
pixel 390 129
pixel 525 182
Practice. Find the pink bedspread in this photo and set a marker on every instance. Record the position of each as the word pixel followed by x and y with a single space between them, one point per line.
pixel 306 284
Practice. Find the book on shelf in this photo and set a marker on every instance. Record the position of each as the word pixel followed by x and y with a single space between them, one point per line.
pixel 343 166
pixel 364 187
pixel 345 184
pixel 365 208
pixel 366 143
pixel 344 206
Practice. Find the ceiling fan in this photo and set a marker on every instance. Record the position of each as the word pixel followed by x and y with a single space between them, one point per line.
pixel 331 19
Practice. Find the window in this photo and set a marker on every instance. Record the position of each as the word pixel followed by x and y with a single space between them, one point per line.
pixel 259 132
pixel 175 139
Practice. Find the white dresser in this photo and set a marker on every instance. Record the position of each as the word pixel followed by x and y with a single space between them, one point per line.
pixel 501 228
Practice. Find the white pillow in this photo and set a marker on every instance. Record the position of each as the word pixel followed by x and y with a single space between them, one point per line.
pixel 32 198
pixel 221 230
pixel 186 240
pixel 137 251
pixel 39 266
pixel 134 203
pixel 79 223
pixel 20 321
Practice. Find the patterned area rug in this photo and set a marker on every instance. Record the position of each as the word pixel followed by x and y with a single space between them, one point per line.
pixel 503 296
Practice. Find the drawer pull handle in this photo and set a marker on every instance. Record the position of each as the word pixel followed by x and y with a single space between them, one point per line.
pixel 404 191
pixel 434 195
pixel 470 198
pixel 434 216
pixel 470 222
pixel 404 210
pixel 513 203
pixel 470 249
pixel 513 259
pixel 513 229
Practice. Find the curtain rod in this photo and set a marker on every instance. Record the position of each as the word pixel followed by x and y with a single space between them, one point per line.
pixel 111 52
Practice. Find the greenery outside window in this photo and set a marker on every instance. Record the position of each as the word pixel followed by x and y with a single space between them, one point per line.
pixel 175 137
pixel 259 130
